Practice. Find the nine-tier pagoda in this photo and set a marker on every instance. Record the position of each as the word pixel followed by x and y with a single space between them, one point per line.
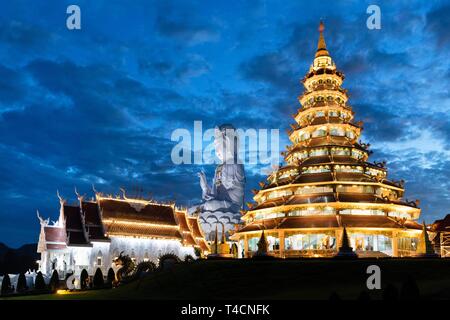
pixel 328 184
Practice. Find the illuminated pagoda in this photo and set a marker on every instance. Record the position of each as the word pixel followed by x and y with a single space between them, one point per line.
pixel 328 184
pixel 92 234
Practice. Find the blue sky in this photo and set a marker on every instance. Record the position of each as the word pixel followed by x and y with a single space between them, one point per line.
pixel 98 105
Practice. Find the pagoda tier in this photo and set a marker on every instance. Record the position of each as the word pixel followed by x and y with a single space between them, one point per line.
pixel 327 174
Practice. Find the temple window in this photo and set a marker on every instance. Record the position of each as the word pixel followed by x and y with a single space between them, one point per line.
pixel 272 215
pixel 253 244
pixel 274 243
pixel 351 169
pixel 337 132
pixel 99 258
pixel 401 215
pixel 320 114
pixel 364 212
pixel 304 136
pixel 357 154
pixel 301 155
pixel 375 172
pixel 355 189
pixel 288 173
pixel 407 244
pixel 317 169
pixel 319 152
pixel 368 242
pixel 321 132
pixel 314 189
pixel 350 134
pixel 340 151
pixel 333 113
pixel 279 193
pixel 312 211
pixel 310 242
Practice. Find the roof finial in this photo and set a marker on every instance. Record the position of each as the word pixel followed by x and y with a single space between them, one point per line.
pixel 321 46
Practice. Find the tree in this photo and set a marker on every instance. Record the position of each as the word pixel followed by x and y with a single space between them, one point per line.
pixel 84 279
pixel 54 281
pixel 111 277
pixel 39 283
pixel 6 284
pixel 98 279
pixel 22 283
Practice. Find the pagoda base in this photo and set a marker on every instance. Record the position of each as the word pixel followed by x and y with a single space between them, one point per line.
pixel 219 256
pixel 427 255
pixel 346 254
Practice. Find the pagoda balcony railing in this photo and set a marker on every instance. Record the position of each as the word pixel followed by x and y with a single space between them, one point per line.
pixel 406 253
pixel 310 253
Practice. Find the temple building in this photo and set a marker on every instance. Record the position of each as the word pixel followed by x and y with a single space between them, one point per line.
pixel 328 183
pixel 91 234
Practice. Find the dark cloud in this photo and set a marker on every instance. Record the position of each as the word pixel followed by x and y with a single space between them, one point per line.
pixel 172 21
pixel 438 21
pixel 99 106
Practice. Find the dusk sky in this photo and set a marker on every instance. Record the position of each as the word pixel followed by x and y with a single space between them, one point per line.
pixel 98 105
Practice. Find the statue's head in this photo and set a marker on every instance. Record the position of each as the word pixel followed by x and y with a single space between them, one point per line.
pixel 226 143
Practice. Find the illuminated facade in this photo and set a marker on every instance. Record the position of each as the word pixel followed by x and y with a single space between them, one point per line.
pixel 92 234
pixel 328 183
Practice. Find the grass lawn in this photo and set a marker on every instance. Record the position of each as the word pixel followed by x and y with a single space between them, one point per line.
pixel 280 279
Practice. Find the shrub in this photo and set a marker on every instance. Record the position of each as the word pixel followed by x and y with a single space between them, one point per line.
pixel 98 279
pixel 111 277
pixel 54 281
pixel 22 283
pixel 84 279
pixel 39 283
pixel 6 285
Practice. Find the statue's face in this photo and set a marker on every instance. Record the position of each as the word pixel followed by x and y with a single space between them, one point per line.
pixel 219 145
pixel 223 145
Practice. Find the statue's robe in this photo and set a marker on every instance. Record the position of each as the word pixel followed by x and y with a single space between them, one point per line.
pixel 223 200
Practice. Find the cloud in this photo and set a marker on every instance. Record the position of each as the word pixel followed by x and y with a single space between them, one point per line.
pixel 190 29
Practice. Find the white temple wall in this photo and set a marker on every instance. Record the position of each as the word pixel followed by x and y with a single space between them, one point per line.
pixel 100 257
pixel 148 249
pixel 101 254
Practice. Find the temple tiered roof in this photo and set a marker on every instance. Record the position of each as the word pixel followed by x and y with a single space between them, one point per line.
pixel 327 180
pixel 106 217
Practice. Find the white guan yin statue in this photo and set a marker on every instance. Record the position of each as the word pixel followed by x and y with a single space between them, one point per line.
pixel 223 200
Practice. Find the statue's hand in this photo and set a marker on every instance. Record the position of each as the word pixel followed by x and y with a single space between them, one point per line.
pixel 203 183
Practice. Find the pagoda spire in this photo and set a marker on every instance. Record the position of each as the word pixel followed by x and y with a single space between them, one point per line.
pixel 321 46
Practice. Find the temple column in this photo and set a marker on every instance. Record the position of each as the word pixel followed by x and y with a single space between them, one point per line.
pixel 394 243
pixel 281 239
pixel 338 235
pixel 245 246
